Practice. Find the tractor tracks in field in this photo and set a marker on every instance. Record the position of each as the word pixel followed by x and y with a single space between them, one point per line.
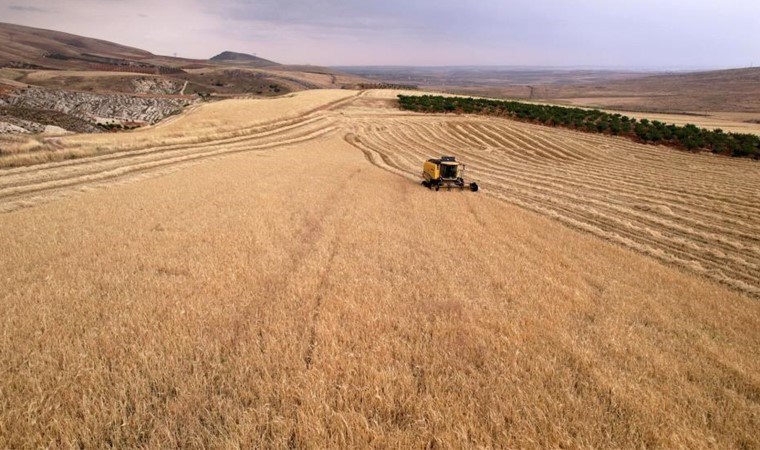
pixel 696 212
pixel 316 312
pixel 324 270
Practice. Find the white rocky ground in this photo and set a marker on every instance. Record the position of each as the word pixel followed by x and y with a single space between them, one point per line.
pixel 6 127
pixel 157 86
pixel 118 108
pixel 54 130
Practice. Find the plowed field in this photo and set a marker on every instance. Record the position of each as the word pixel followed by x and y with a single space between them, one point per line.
pixel 270 273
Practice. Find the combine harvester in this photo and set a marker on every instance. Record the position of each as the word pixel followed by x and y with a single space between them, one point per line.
pixel 445 172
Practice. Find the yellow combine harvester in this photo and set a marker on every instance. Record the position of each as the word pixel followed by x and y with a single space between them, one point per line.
pixel 445 172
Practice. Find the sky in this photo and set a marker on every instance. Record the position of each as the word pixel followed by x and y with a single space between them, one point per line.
pixel 653 34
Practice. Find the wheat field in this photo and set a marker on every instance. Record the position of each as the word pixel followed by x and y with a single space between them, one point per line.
pixel 286 282
pixel 699 212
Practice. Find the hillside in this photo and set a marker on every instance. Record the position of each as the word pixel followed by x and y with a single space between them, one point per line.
pixel 74 83
pixel 27 47
pixel 734 90
pixel 726 94
pixel 729 94
pixel 243 58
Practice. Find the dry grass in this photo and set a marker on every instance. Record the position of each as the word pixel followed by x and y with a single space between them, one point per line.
pixel 315 76
pixel 743 121
pixel 20 144
pixel 723 90
pixel 214 124
pixel 47 75
pixel 720 93
pixel 695 211
pixel 735 122
pixel 294 294
pixel 727 121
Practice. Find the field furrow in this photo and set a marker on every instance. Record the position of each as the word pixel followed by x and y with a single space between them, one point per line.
pixel 569 174
pixel 646 230
pixel 621 191
pixel 93 171
pixel 272 273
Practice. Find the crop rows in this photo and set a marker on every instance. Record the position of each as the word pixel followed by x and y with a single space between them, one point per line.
pixel 698 212
pixel 694 211
pixel 689 136
pixel 26 186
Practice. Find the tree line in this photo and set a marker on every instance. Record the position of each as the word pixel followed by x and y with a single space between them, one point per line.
pixel 400 87
pixel 688 137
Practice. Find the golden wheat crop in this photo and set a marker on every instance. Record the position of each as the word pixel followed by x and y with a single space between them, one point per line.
pixel 294 291
pixel 213 124
pixel 695 211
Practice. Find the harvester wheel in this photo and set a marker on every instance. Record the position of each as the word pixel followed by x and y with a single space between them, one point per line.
pixel 437 187
pixel 474 187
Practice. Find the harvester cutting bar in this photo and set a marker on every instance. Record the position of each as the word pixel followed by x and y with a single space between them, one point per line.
pixel 450 185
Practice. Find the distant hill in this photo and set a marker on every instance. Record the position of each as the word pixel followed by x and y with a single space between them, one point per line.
pixel 726 91
pixel 83 84
pixel 35 48
pixel 27 46
pixel 734 90
pixel 243 58
pixel 72 56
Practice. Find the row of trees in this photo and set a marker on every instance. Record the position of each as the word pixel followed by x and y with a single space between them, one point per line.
pixel 400 87
pixel 689 136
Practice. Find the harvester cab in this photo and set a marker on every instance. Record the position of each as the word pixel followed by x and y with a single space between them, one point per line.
pixel 445 172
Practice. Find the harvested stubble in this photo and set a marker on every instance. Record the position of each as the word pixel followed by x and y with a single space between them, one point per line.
pixel 300 296
pixel 695 211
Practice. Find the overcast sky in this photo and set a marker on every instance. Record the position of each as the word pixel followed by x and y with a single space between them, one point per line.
pixel 632 33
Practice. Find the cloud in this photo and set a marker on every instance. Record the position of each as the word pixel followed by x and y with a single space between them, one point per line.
pixel 420 32
pixel 33 9
pixel 320 13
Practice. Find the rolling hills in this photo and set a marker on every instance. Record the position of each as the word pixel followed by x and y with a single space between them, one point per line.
pixel 36 49
pixel 719 94
pixel 732 90
pixel 27 47
pixel 110 86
